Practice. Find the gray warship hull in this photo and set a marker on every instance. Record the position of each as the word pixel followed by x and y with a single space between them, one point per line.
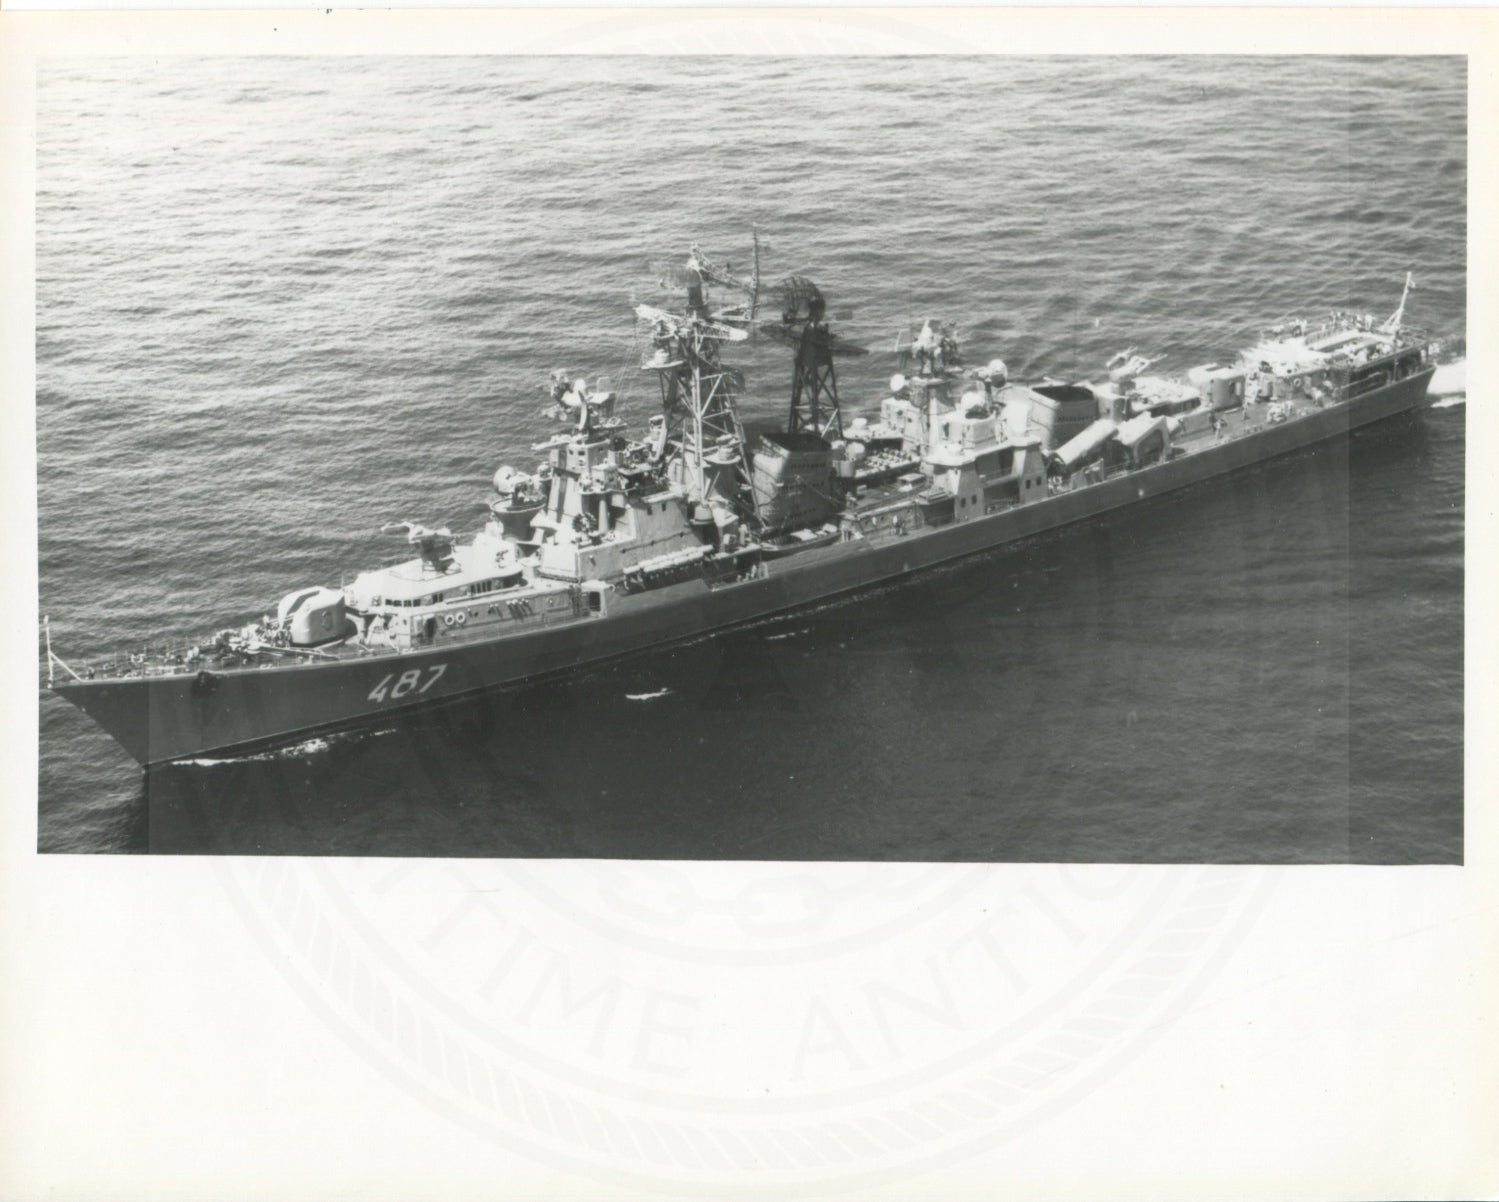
pixel 225 712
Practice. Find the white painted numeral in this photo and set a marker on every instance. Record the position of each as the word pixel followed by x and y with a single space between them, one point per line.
pixel 406 682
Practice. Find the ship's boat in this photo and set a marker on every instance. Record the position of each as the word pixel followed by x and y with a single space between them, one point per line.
pixel 614 545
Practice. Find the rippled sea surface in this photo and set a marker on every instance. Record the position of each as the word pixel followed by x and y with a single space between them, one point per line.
pixel 283 301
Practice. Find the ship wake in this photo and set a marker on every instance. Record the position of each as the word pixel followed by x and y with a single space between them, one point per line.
pixel 319 745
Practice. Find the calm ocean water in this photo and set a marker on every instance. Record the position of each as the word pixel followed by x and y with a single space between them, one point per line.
pixel 282 301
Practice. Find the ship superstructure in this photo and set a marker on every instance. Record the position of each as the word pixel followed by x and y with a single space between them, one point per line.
pixel 615 544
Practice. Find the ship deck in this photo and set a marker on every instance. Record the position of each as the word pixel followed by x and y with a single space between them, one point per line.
pixel 169 660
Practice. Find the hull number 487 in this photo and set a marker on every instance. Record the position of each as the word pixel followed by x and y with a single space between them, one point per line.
pixel 409 681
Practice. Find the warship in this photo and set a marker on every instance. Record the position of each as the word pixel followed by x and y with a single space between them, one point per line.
pixel 614 544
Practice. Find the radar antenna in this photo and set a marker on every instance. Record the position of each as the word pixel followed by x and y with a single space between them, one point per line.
pixel 814 382
pixel 690 277
pixel 934 347
pixel 585 408
pixel 699 393
pixel 436 546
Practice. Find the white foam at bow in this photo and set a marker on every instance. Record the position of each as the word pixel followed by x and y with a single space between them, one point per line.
pixel 1450 378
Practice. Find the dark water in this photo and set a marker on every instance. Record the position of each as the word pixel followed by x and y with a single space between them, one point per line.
pixel 282 301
